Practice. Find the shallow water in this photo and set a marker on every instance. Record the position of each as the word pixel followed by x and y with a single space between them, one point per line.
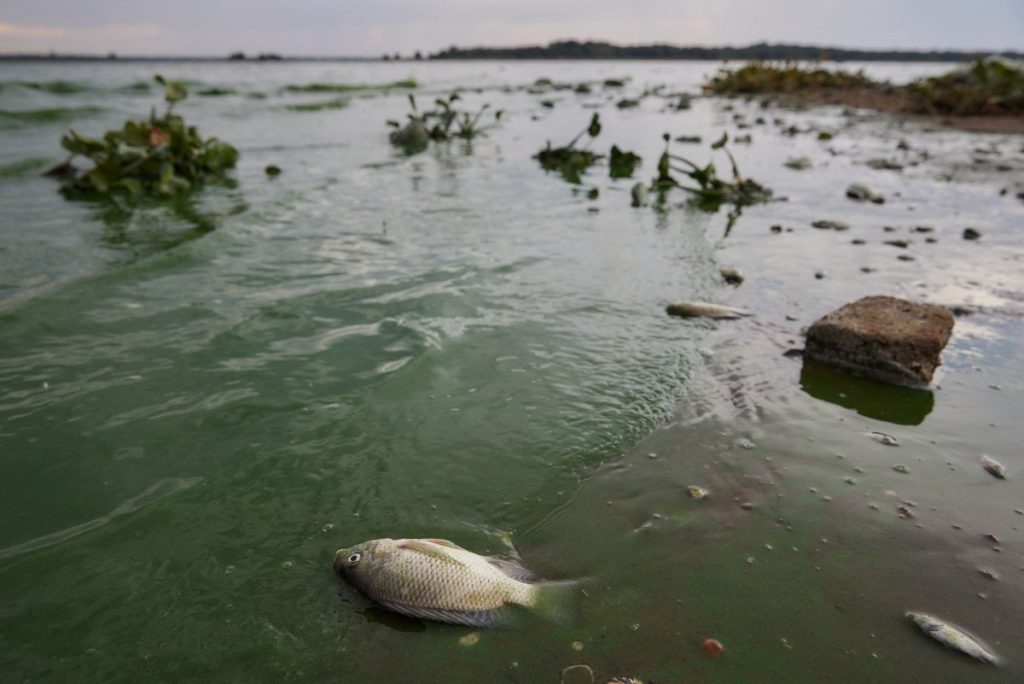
pixel 200 402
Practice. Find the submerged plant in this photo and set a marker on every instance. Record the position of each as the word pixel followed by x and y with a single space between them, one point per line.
pixel 571 161
pixel 160 156
pixel 444 122
pixel 711 190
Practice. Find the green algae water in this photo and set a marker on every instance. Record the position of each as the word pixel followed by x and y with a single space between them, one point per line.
pixel 201 400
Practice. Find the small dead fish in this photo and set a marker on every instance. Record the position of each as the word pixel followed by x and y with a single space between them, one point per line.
pixel 437 580
pixel 994 467
pixel 704 309
pixel 882 438
pixel 953 637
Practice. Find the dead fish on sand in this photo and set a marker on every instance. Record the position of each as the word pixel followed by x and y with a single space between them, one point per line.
pixel 993 466
pixel 953 637
pixel 882 438
pixel 704 309
pixel 435 579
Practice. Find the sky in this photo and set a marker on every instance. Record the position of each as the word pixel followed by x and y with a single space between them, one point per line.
pixel 375 27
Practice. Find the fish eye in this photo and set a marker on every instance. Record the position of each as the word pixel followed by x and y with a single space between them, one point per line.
pixel 354 558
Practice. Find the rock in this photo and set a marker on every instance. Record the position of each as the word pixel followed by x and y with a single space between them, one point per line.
pixel 884 164
pixel 412 135
pixel 971 234
pixel 829 224
pixel 862 193
pixel 882 338
pixel 798 163
pixel 733 276
pixel 639 195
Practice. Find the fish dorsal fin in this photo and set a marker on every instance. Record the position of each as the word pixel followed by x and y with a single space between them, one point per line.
pixel 429 548
pixel 512 569
pixel 445 542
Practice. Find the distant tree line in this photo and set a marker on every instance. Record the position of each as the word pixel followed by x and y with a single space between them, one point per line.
pixel 571 49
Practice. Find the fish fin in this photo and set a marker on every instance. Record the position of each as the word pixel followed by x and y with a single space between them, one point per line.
pixel 487 619
pixel 512 568
pixel 558 602
pixel 429 548
pixel 445 542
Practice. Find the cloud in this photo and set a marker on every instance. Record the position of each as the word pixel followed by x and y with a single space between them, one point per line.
pixel 98 39
pixel 16 32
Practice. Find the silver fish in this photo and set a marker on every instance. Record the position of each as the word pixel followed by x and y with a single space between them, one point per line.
pixel 882 438
pixel 436 579
pixel 994 467
pixel 704 309
pixel 953 637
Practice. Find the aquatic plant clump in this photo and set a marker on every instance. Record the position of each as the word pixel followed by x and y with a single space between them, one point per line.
pixel 442 123
pixel 762 77
pixel 161 156
pixel 711 191
pixel 570 160
pixel 986 87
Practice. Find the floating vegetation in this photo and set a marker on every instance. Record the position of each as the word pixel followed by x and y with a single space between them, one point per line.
pixel 272 170
pixel 764 77
pixel 989 86
pixel 444 122
pixel 46 115
pixel 710 191
pixel 137 88
pixel 22 167
pixel 323 105
pixel 160 156
pixel 349 87
pixel 56 87
pixel 570 160
pixel 622 164
pixel 216 92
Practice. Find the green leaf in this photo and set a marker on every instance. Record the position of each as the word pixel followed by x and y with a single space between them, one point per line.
pixel 594 129
pixel 720 142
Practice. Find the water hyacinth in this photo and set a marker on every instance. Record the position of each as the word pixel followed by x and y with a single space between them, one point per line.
pixel 161 156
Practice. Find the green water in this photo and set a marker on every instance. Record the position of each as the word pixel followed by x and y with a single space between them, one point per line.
pixel 200 402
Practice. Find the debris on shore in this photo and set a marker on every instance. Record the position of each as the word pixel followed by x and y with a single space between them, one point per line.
pixel 994 467
pixel 952 636
pixel 704 310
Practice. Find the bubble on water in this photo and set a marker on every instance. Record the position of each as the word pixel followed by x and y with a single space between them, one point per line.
pixel 229 569
pixel 287 564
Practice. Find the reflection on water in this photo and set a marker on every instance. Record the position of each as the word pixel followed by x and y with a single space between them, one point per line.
pixel 881 401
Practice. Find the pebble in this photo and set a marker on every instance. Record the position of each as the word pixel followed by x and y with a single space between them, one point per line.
pixel 713 647
pixel 988 574
pixel 900 468
pixel 471 639
pixel 696 493
pixel 746 505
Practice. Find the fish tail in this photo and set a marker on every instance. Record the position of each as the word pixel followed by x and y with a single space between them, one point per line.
pixel 558 602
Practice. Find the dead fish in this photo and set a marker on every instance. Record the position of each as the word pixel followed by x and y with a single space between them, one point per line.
pixel 993 466
pixel 704 309
pixel 953 637
pixel 436 579
pixel 882 438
